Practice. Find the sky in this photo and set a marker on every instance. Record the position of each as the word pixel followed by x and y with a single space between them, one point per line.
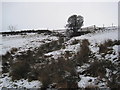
pixel 54 15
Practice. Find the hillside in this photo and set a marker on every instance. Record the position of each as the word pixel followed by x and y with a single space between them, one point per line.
pixel 52 61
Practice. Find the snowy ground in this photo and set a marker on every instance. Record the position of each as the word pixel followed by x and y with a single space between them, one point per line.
pixel 22 43
pixel 5 82
pixel 94 38
pixel 26 42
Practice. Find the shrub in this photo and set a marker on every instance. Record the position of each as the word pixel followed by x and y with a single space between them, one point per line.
pixel 91 87
pixel 83 54
pixel 67 54
pixel 98 68
pixel 45 78
pixel 109 43
pixel 60 72
pixel 117 42
pixel 19 70
pixel 7 60
pixel 103 48
pixel 13 50
pixel 112 82
pixel 61 40
pixel 27 56
pixel 75 42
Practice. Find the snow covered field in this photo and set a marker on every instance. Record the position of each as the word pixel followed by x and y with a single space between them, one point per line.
pixel 24 42
pixel 94 38
pixel 31 41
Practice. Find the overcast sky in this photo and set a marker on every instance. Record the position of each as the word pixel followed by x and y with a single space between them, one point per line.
pixel 54 15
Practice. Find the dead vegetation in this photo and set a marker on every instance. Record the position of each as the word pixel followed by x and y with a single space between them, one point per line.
pixel 33 65
pixel 105 47
pixel 84 53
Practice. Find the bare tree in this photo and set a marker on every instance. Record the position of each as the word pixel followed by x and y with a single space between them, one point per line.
pixel 11 27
